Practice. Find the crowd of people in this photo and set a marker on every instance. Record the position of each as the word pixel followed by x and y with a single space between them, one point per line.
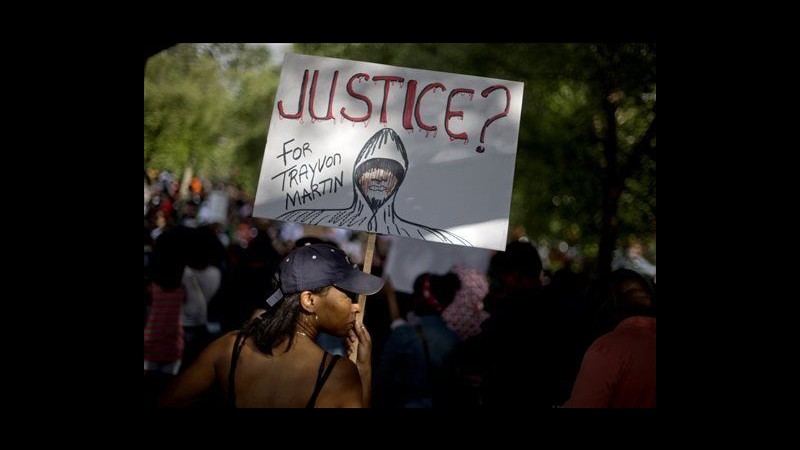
pixel 248 312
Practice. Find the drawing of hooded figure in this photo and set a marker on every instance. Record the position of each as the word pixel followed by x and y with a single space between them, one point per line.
pixel 379 170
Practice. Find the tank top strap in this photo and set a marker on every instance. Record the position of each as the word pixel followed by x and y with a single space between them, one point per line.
pixel 321 377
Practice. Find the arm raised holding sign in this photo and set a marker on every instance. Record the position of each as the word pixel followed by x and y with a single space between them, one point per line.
pixel 274 362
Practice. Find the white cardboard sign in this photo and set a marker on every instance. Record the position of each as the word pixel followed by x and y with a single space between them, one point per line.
pixel 391 150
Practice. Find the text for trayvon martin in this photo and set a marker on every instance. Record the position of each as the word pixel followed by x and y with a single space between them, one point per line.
pixel 293 176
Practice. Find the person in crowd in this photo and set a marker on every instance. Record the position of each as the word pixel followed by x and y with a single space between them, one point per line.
pixel 201 280
pixel 416 366
pixel 619 368
pixel 163 332
pixel 274 361
pixel 517 340
pixel 465 316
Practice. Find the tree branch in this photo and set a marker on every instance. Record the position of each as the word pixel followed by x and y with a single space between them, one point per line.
pixel 641 148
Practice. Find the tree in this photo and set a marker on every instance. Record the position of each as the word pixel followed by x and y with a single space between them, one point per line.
pixel 586 163
pixel 586 158
pixel 206 107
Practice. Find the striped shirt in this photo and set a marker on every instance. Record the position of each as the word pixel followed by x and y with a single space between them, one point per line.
pixel 163 333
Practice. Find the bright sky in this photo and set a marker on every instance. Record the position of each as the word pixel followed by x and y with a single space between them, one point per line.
pixel 277 51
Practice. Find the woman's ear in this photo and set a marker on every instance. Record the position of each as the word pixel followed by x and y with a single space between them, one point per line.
pixel 308 301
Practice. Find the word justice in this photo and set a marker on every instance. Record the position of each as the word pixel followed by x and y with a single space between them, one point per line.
pixel 412 105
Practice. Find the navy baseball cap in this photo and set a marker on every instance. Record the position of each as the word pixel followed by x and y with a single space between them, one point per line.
pixel 317 265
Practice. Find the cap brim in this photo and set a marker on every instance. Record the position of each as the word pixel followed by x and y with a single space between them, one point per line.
pixel 361 283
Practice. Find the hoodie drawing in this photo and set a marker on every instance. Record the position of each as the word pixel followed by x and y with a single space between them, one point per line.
pixel 379 170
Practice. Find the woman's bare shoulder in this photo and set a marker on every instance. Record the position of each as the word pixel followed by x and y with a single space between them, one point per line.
pixel 222 345
pixel 227 339
pixel 345 385
pixel 345 368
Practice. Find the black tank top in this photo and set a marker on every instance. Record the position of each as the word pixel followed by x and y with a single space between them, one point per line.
pixel 322 374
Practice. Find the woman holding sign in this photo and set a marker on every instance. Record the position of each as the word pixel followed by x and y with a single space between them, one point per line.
pixel 274 361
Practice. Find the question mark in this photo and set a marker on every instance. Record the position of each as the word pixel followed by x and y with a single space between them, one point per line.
pixel 485 94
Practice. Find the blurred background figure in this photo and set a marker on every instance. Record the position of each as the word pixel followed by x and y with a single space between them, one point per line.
pixel 416 367
pixel 517 343
pixel 465 316
pixel 632 258
pixel 619 369
pixel 201 279
pixel 163 333
pixel 214 213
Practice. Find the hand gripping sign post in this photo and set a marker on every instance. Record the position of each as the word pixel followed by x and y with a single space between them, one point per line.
pixel 391 150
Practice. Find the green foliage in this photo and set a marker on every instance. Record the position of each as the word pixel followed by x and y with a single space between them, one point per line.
pixel 208 105
pixel 561 164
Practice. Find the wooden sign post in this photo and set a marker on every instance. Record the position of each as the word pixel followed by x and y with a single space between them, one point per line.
pixel 362 299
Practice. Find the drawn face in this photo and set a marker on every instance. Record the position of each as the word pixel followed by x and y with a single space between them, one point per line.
pixel 378 183
pixel 378 179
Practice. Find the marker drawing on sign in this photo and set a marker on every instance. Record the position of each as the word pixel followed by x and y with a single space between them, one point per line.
pixel 378 173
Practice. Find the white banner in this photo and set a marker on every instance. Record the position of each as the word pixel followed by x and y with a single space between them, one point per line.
pixel 409 259
pixel 391 150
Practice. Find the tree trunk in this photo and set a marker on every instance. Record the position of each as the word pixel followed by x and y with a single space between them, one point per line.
pixel 610 228
pixel 612 188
